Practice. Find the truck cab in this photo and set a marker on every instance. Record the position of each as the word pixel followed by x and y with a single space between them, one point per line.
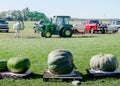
pixel 4 25
pixel 91 24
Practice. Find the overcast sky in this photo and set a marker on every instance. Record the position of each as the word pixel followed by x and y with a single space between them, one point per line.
pixel 73 8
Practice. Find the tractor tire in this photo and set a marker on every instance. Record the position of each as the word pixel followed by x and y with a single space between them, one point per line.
pixel 60 33
pixel 47 34
pixel 66 32
pixel 42 34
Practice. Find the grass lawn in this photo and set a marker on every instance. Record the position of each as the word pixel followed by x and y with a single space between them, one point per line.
pixel 31 45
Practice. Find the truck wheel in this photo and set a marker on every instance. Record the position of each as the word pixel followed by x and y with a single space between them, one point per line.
pixel 92 30
pixel 103 30
pixel 47 34
pixel 118 30
pixel 7 30
pixel 66 32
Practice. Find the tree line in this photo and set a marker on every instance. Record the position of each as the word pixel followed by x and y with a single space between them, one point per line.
pixel 27 15
pixel 13 15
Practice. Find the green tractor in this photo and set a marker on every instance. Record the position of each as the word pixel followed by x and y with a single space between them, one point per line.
pixel 59 25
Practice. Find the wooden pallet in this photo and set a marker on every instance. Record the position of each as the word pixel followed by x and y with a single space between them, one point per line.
pixel 9 74
pixel 48 76
pixel 103 74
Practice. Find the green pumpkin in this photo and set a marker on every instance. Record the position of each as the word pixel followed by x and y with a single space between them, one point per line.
pixel 60 61
pixel 105 62
pixel 18 64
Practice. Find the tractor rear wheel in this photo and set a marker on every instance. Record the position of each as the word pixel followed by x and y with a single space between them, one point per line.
pixel 66 32
pixel 47 34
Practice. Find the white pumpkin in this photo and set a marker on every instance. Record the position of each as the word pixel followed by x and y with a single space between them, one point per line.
pixel 105 62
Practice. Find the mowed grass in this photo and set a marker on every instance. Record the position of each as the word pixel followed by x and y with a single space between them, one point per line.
pixel 31 45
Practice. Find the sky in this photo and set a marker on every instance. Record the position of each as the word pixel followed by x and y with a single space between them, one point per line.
pixel 74 8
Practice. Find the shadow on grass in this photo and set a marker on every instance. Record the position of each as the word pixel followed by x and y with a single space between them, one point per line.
pixel 11 32
pixel 7 32
pixel 32 37
pixel 33 76
pixel 88 77
pixel 56 36
pixel 84 36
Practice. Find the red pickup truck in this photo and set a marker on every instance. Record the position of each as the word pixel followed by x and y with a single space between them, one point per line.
pixel 94 25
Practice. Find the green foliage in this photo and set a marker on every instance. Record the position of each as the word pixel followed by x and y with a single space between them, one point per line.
pixel 25 14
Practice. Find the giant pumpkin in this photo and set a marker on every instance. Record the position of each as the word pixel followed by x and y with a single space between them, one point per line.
pixel 60 61
pixel 105 62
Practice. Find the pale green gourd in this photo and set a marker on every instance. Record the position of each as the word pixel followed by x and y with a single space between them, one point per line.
pixel 18 64
pixel 105 62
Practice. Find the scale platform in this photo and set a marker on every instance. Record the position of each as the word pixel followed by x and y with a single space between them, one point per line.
pixel 75 75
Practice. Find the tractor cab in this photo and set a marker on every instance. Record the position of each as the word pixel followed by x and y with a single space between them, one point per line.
pixel 62 26
pixel 61 20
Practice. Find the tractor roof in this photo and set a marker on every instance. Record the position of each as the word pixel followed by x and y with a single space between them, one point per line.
pixel 63 16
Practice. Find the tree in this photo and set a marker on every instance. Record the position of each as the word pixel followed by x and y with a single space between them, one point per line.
pixel 24 14
pixel 16 15
pixel 3 14
pixel 25 17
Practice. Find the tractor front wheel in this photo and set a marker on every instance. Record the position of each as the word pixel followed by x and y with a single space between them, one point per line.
pixel 42 34
pixel 47 34
pixel 67 32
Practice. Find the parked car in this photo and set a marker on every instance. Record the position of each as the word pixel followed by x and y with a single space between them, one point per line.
pixel 4 25
pixel 114 26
